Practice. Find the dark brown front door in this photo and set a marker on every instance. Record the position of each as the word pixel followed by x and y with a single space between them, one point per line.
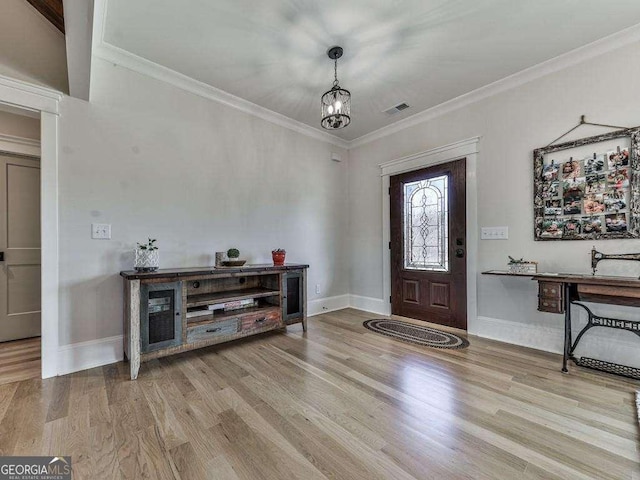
pixel 428 244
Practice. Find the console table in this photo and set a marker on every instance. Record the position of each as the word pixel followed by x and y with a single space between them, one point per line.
pixel 175 310
pixel 556 294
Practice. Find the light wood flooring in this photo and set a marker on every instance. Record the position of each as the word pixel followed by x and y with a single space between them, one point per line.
pixel 19 360
pixel 339 402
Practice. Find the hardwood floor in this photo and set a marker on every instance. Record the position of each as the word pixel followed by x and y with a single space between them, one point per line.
pixel 19 360
pixel 338 402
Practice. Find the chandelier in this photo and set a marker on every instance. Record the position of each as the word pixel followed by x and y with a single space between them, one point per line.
pixel 336 103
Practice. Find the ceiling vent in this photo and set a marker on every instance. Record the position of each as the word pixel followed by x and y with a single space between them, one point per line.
pixel 397 109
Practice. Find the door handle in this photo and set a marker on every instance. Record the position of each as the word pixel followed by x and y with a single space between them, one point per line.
pixel 1 256
pixel 460 252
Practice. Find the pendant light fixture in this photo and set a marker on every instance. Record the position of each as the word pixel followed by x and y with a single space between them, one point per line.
pixel 336 103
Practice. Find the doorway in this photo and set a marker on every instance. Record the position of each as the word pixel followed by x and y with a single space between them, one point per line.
pixel 429 244
pixel 20 282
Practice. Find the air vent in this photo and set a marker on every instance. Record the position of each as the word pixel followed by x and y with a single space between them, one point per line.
pixel 397 109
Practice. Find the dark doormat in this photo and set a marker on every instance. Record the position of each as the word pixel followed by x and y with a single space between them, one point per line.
pixel 418 334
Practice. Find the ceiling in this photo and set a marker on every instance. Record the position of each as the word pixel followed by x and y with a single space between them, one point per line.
pixel 422 52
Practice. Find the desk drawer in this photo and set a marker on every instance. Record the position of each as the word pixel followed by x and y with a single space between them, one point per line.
pixel 550 305
pixel 550 289
pixel 550 297
pixel 212 330
pixel 271 318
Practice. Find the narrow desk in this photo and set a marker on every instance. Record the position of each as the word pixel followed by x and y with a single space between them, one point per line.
pixel 558 291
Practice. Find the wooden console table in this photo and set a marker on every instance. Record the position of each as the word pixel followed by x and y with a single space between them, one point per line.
pixel 556 294
pixel 176 310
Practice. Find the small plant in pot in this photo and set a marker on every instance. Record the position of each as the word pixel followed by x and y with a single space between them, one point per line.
pixel 278 256
pixel 233 254
pixel 147 256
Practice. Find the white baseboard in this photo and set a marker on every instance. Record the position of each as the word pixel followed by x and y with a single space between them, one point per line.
pixel 328 304
pixel 370 304
pixel 539 337
pixel 85 355
pixel 601 343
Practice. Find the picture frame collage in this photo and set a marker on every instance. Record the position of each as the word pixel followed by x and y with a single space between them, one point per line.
pixel 588 188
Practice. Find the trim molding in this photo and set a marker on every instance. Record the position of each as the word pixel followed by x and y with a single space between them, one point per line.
pixel 573 57
pixel 126 59
pixel 113 54
pixel 26 95
pixel 550 339
pixel 19 145
pixel 540 337
pixel 370 304
pixel 85 355
pixel 328 304
pixel 469 149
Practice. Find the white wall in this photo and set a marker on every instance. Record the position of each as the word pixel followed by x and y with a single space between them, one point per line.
pixel 511 124
pixel 156 161
pixel 31 48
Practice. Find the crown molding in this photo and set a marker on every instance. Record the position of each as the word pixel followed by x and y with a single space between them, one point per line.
pixel 118 56
pixel 131 61
pixel 581 54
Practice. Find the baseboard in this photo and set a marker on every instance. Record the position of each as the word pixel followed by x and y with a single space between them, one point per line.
pixel 600 343
pixel 539 337
pixel 85 355
pixel 370 304
pixel 327 304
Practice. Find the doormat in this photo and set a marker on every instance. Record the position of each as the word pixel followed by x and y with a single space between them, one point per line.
pixel 418 334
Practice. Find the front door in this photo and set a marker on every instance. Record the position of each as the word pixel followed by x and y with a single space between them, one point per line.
pixel 19 247
pixel 428 244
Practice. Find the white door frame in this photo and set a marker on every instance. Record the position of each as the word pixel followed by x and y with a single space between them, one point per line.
pixel 44 101
pixel 468 149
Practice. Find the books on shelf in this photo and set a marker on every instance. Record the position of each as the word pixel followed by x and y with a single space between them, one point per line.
pixel 235 305
pixel 198 313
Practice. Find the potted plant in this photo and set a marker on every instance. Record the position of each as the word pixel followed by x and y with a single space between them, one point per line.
pixel 233 254
pixel 278 256
pixel 147 257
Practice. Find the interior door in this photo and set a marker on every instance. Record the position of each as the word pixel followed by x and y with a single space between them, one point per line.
pixel 19 247
pixel 428 244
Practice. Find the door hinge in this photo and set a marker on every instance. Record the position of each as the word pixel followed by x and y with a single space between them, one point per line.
pixel 390 300
pixel 389 190
pixel 389 245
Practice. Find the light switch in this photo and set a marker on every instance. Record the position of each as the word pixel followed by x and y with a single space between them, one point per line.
pixel 494 233
pixel 100 231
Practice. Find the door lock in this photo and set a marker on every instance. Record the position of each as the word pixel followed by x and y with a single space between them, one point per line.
pixel 460 252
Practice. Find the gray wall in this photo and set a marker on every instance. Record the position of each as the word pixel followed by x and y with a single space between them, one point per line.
pixel 511 124
pixel 155 161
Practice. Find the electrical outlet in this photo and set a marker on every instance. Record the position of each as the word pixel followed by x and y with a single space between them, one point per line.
pixel 101 231
pixel 494 233
pixel 317 288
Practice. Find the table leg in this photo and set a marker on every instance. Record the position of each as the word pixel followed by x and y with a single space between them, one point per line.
pixel 567 328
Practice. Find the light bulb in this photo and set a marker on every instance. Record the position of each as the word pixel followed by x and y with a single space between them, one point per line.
pixel 330 109
pixel 338 105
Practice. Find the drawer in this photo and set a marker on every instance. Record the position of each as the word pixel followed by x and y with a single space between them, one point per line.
pixel 550 289
pixel 212 330
pixel 550 305
pixel 271 318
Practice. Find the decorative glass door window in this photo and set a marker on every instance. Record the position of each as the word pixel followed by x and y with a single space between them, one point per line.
pixel 426 224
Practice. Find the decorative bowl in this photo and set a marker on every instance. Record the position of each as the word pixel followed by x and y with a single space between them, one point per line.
pixel 234 263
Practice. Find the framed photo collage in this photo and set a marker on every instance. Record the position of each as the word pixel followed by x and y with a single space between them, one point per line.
pixel 588 188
